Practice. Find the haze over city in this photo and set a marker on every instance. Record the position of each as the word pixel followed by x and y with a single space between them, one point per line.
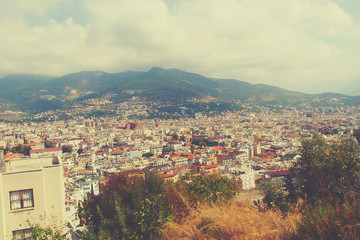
pixel 309 46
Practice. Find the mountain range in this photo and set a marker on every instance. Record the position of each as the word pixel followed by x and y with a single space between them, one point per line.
pixel 41 93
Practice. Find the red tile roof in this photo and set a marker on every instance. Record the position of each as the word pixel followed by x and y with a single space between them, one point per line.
pixel 32 144
pixel 131 149
pixel 13 155
pixel 223 157
pixel 46 150
pixel 208 166
pixel 100 153
pixel 117 152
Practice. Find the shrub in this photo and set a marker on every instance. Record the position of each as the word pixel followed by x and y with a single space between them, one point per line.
pixel 128 207
pixel 325 220
pixel 211 188
pixel 328 170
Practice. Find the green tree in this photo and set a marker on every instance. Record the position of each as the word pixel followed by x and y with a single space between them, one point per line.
pixel 167 150
pixel 66 149
pixel 46 233
pixel 148 154
pixel 328 169
pixel 152 216
pixel 127 208
pixel 275 194
pixel 21 149
pixel 356 134
pixel 210 188
pixel 203 144
pixel 328 176
pixel 175 137
pixel 80 151
pixel 327 220
pixel 192 148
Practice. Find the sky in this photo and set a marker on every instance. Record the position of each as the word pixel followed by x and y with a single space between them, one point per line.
pixel 310 46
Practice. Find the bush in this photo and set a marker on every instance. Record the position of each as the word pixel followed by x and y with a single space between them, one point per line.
pixel 137 207
pixel 148 154
pixel 325 220
pixel 127 207
pixel 46 233
pixel 212 188
pixel 328 170
pixel 275 195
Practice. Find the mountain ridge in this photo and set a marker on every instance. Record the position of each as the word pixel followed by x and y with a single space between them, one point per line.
pixel 41 93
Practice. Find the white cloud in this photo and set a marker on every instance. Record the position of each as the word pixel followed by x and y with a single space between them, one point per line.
pixel 296 44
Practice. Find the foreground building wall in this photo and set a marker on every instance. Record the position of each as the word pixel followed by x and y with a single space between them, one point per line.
pixel 31 190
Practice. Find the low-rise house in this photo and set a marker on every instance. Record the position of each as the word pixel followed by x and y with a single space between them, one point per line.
pixel 88 184
pixel 117 154
pixel 175 174
pixel 34 146
pixel 134 153
pixel 224 160
pixel 174 145
pixel 204 167
pixel 46 152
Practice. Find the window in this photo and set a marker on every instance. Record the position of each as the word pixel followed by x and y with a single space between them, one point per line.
pixel 21 199
pixel 22 234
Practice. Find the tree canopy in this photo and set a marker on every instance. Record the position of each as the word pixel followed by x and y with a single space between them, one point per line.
pixel 325 187
pixel 328 169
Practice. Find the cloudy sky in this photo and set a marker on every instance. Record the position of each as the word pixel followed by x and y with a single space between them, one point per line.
pixel 303 45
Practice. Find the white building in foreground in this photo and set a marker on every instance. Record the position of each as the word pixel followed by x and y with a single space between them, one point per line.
pixel 31 190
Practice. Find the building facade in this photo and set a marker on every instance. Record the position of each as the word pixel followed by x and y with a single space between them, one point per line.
pixel 31 191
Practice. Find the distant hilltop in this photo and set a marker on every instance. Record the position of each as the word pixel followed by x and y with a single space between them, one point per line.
pixel 39 93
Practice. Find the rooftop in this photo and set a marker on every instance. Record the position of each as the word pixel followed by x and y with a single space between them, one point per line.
pixel 28 164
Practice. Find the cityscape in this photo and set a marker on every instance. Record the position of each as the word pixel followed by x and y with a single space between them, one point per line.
pixel 178 119
pixel 245 146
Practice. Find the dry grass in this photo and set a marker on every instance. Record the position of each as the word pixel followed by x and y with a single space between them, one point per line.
pixel 233 220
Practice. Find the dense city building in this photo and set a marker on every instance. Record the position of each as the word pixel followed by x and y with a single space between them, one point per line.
pixel 246 146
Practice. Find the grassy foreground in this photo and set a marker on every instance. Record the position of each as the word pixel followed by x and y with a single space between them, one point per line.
pixel 233 220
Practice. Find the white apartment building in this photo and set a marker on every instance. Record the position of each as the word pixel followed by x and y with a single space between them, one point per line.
pixel 244 173
pixel 46 152
pixel 31 190
pixel 87 184
pixel 248 180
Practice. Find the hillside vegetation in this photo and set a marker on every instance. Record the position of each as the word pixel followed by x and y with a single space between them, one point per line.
pixel 320 200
